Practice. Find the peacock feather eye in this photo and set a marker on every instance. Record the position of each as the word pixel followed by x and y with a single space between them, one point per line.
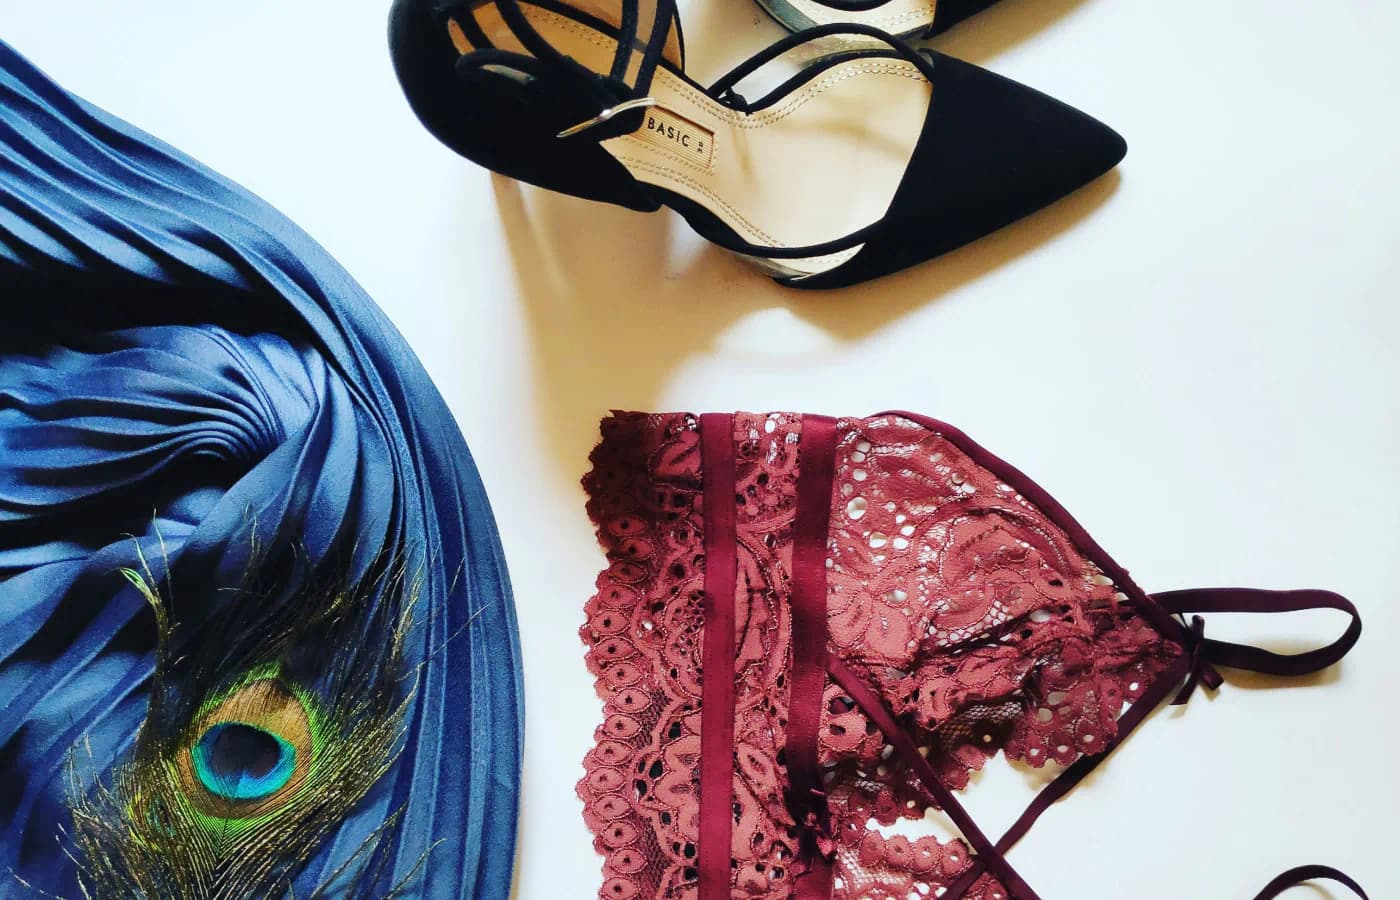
pixel 251 750
pixel 242 761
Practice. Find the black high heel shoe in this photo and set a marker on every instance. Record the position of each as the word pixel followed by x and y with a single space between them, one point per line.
pixel 906 18
pixel 868 160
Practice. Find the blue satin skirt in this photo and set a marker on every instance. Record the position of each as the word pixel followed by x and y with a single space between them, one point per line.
pixel 186 377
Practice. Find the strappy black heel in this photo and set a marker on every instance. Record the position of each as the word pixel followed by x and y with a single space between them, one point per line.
pixel 868 160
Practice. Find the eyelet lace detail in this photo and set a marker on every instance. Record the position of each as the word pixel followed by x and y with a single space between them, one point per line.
pixel 960 603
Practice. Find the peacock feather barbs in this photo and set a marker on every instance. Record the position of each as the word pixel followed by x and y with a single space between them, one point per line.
pixel 247 761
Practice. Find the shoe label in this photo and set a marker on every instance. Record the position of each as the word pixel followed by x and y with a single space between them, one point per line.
pixel 686 139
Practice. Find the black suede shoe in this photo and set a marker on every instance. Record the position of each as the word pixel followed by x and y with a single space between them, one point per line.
pixel 862 162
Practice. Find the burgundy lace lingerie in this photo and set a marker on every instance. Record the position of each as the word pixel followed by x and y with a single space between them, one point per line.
pixel 809 624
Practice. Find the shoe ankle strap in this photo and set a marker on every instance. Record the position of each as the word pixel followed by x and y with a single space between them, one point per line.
pixel 610 97
pixel 724 87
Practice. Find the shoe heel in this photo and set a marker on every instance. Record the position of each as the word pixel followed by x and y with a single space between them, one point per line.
pixel 496 121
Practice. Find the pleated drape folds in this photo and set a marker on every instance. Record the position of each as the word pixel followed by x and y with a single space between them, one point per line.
pixel 184 376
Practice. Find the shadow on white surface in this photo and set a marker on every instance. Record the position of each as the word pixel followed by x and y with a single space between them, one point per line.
pixel 720 35
pixel 1254 681
pixel 1000 27
pixel 611 318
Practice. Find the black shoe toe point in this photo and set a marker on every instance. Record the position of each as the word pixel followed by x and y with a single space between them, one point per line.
pixel 992 152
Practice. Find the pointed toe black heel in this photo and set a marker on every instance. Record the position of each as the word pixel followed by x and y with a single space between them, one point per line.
pixel 866 161
pixel 1030 150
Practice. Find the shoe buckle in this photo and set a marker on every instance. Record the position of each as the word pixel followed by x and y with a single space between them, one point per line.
pixel 605 115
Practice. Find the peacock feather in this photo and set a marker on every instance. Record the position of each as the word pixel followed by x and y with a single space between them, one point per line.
pixel 254 748
pixel 182 367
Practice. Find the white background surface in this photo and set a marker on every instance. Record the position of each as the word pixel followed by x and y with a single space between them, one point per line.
pixel 1197 355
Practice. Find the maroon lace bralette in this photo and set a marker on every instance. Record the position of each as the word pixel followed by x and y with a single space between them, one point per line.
pixel 810 624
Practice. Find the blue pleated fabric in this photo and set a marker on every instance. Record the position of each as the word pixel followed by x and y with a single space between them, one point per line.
pixel 184 374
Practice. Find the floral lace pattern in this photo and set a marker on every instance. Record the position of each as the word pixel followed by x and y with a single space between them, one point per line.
pixel 959 602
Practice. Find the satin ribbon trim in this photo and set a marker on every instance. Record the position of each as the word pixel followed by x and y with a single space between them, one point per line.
pixel 817 470
pixel 717 676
